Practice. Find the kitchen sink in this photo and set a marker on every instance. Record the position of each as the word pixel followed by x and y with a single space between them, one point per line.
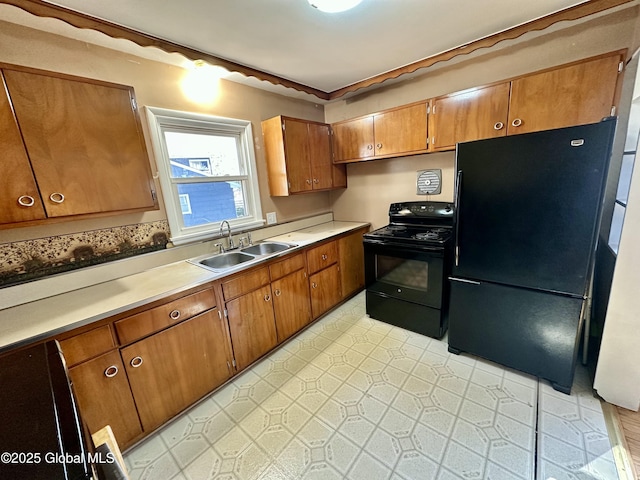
pixel 223 261
pixel 266 248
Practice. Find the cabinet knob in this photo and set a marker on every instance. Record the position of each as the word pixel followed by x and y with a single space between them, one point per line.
pixel 516 122
pixel 379 145
pixel 324 257
pixel 498 126
pixel 26 201
pixel 369 147
pixel 136 362
pixel 267 297
pixel 277 292
pixel 315 180
pixel 56 197
pixel 308 182
pixel 314 285
pixel 174 314
pixel 111 371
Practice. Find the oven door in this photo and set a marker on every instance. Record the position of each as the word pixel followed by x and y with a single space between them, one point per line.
pixel 411 273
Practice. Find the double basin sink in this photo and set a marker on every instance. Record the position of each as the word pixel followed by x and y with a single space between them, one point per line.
pixel 245 256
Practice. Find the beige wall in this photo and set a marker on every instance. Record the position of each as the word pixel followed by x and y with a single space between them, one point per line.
pixel 375 184
pixel 156 84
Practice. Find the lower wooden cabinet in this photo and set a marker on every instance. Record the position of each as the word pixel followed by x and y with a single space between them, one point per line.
pixel 325 290
pixel 252 326
pixel 351 257
pixel 291 304
pixel 172 369
pixel 104 397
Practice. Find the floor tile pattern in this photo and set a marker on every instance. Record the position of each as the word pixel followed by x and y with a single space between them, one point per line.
pixel 355 398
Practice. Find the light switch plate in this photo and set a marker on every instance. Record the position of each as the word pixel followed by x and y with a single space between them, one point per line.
pixel 271 218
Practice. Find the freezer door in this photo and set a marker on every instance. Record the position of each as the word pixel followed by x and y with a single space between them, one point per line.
pixel 528 207
pixel 532 331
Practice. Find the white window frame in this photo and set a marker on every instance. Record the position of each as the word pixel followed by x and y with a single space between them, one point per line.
pixel 161 120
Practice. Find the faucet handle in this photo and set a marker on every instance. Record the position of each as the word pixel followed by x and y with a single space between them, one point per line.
pixel 249 238
pixel 241 242
pixel 220 246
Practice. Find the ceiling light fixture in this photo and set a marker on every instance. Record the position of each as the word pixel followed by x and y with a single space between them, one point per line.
pixel 333 6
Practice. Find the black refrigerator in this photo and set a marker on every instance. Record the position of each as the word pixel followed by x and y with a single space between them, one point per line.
pixel 527 216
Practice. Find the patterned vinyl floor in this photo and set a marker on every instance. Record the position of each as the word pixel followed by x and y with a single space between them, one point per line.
pixel 355 398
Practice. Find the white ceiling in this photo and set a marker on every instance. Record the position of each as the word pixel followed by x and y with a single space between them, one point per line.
pixel 293 40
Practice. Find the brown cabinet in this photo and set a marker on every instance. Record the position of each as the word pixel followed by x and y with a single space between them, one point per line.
pixel 84 144
pixel 579 93
pixel 399 131
pixel 324 277
pixel 298 154
pixel 104 397
pixel 170 370
pixel 290 288
pixel 351 255
pixel 249 312
pixel 19 197
pixel 469 115
pixel 575 94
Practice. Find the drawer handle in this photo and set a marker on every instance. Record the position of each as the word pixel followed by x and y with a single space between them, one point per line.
pixel 174 314
pixel 26 201
pixel 498 126
pixel 277 292
pixel 314 285
pixel 56 197
pixel 267 297
pixel 324 257
pixel 111 371
pixel 516 122
pixel 136 362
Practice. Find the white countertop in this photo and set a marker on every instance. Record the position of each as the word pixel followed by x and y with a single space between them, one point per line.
pixel 23 324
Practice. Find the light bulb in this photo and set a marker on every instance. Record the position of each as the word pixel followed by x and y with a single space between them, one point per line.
pixel 333 6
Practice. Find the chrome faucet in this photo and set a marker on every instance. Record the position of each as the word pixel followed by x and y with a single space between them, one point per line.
pixel 230 245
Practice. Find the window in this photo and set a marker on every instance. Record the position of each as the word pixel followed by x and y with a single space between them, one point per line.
pixel 207 172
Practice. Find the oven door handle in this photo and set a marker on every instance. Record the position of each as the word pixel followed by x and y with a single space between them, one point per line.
pixel 456 247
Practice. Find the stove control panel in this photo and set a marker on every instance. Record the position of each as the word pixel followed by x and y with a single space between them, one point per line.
pixel 421 209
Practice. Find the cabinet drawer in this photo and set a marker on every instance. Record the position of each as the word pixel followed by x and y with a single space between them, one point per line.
pixel 245 283
pixel 87 345
pixel 322 256
pixel 285 267
pixel 145 323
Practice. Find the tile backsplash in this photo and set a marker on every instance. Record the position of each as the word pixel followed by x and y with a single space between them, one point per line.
pixel 33 259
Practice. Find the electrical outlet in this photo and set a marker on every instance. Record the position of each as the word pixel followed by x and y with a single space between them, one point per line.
pixel 271 218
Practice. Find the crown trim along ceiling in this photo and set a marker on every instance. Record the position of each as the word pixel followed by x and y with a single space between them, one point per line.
pixel 114 29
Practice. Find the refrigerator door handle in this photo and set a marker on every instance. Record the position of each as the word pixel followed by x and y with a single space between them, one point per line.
pixel 456 205
pixel 464 280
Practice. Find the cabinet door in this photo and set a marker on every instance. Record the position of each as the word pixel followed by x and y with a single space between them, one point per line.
pixel 325 290
pixel 353 139
pixel 401 130
pixel 467 116
pixel 291 304
pixel 297 155
pixel 351 254
pixel 172 369
pixel 19 196
pixel 252 326
pixel 104 397
pixel 573 95
pixel 85 144
pixel 320 156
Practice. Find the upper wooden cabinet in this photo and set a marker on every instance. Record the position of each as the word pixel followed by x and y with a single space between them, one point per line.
pixel 399 131
pixel 298 154
pixel 469 115
pixel 576 94
pixel 84 144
